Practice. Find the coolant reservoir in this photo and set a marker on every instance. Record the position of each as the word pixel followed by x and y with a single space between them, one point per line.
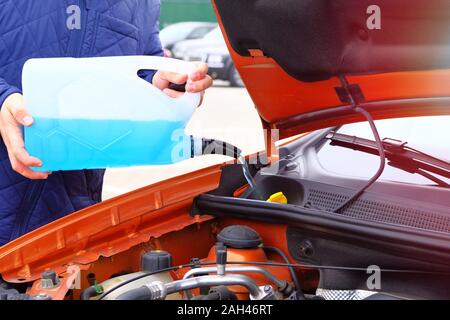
pixel 97 113
pixel 244 244
pixel 250 255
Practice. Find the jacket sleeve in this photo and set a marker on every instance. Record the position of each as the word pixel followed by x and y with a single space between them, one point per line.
pixel 6 90
pixel 153 45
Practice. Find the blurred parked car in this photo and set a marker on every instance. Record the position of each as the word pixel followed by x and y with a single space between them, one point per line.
pixel 211 49
pixel 183 31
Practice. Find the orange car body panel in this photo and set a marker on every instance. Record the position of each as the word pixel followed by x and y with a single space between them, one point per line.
pixel 108 228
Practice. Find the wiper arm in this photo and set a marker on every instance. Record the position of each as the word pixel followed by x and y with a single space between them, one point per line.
pixel 399 155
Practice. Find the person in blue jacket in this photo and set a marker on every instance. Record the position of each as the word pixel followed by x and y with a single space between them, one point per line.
pixel 64 28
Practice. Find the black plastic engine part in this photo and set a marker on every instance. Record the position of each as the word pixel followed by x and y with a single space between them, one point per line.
pixel 154 261
pixel 50 275
pixel 13 294
pixel 239 237
pixel 221 253
pixel 212 146
pixel 49 279
pixel 91 292
pixel 217 293
pixel 10 291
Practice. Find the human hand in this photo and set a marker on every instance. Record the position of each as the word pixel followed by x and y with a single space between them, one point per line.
pixel 196 82
pixel 13 116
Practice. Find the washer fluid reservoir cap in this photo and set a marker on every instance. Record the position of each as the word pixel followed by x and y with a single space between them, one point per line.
pixel 239 237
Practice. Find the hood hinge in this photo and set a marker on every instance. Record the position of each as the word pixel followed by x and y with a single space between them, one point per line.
pixel 350 94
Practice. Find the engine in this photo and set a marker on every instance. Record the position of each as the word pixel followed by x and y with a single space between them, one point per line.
pixel 236 268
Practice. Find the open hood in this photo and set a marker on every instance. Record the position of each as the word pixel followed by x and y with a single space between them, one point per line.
pixel 395 55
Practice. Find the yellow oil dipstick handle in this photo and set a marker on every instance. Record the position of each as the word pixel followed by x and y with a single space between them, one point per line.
pixel 278 197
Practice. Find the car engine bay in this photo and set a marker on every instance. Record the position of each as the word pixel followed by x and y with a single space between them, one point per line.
pixel 227 273
pixel 279 238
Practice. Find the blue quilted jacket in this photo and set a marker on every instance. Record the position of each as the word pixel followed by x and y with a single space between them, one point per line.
pixel 59 28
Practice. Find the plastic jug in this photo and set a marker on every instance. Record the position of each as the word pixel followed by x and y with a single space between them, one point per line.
pixel 97 113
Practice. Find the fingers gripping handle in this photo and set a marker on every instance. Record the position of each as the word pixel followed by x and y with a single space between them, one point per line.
pixel 188 101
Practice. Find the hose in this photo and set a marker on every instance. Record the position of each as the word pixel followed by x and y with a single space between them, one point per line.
pixel 294 276
pixel 147 274
pixel 216 294
pixel 264 263
pixel 249 269
pixel 212 146
pixel 89 293
pixel 380 147
pixel 204 146
pixel 159 291
pixel 240 269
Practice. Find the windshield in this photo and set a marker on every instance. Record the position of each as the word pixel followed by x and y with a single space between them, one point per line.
pixel 427 134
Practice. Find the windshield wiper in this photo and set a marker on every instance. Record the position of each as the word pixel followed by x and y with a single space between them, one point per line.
pixel 399 154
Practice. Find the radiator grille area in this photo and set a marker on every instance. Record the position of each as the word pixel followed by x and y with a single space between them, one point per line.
pixel 381 212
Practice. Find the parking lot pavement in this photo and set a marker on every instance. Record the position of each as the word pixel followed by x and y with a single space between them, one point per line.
pixel 227 114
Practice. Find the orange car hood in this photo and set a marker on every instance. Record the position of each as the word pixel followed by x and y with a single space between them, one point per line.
pixel 107 228
pixel 396 58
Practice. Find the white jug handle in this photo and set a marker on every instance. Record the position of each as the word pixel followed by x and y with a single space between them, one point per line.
pixel 132 64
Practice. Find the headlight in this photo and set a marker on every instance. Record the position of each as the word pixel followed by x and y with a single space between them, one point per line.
pixel 216 61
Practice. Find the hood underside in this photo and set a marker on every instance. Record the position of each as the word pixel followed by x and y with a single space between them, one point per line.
pixel 395 55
